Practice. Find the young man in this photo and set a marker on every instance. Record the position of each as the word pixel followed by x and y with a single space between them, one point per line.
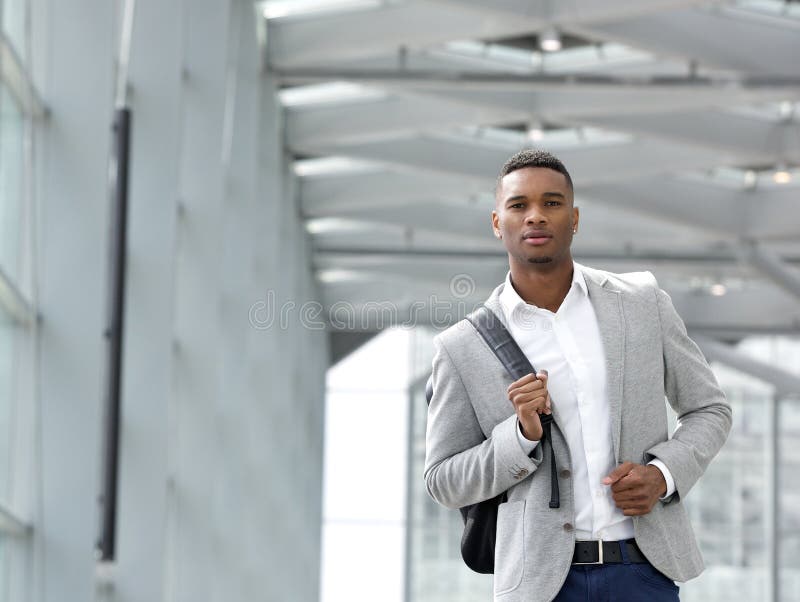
pixel 607 349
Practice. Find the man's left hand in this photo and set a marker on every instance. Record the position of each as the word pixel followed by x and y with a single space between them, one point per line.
pixel 636 488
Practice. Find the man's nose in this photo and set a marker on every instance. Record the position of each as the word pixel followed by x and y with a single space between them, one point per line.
pixel 535 216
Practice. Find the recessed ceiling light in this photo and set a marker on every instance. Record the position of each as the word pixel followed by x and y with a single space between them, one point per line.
pixel 535 134
pixel 275 10
pixel 786 109
pixel 718 289
pixel 550 40
pixel 782 175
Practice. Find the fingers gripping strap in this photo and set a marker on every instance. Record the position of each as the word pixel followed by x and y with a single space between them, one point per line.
pixel 517 365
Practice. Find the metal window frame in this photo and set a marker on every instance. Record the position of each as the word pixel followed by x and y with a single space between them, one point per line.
pixel 12 525
pixel 14 74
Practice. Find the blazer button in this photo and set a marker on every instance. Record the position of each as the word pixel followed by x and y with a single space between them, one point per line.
pixel 565 474
pixel 523 472
pixel 568 527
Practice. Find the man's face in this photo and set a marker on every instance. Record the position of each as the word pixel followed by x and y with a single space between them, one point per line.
pixel 534 216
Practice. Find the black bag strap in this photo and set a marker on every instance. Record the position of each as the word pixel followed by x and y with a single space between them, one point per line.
pixel 517 365
pixel 503 345
pixel 501 342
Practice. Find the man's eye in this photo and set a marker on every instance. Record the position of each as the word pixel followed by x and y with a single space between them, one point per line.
pixel 515 205
pixel 552 203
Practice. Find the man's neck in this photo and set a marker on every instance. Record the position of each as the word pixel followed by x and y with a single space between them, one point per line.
pixel 545 288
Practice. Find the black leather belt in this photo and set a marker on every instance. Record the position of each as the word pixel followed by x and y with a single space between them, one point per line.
pixel 606 552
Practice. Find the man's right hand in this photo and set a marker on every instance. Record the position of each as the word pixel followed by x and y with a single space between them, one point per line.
pixel 530 398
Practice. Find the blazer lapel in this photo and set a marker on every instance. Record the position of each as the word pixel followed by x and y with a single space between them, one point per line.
pixel 607 303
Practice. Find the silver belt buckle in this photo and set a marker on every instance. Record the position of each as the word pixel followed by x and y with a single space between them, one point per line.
pixel 599 550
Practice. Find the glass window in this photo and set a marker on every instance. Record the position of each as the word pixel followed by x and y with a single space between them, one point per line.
pixel 11 178
pixel 436 572
pixel 3 570
pixel 6 404
pixel 16 357
pixel 14 24
pixel 730 505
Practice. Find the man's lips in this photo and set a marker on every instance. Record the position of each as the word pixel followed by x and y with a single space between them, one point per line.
pixel 536 237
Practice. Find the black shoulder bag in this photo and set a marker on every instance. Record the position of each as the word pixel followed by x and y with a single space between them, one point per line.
pixel 480 520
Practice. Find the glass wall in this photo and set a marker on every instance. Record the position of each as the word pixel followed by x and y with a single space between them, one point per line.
pixel 364 489
pixel 11 172
pixel 744 509
pixel 17 312
pixel 7 329
pixel 748 555
pixel 436 572
pixel 15 25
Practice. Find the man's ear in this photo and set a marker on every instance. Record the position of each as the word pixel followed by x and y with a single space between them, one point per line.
pixel 576 217
pixel 496 224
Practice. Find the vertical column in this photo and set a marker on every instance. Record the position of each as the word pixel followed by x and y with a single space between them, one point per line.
pixel 772 457
pixel 193 554
pixel 74 150
pixel 287 378
pixel 221 443
pixel 240 571
pixel 155 78
pixel 237 411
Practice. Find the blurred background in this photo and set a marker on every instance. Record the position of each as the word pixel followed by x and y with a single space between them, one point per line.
pixel 229 231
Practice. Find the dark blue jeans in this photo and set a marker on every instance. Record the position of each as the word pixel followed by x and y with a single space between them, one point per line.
pixel 617 583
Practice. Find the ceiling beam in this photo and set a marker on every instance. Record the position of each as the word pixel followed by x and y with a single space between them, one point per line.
pixel 786 383
pixel 332 195
pixel 576 11
pixel 762 139
pixel 692 260
pixel 387 28
pixel 766 213
pixel 635 109
pixel 416 23
pixel 513 79
pixel 761 306
pixel 386 300
pixel 676 200
pixel 719 36
pixel 773 266
pixel 354 122
pixel 602 225
pixel 472 159
pixel 343 343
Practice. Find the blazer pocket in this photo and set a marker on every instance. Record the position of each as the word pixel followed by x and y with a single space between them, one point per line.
pixel 509 547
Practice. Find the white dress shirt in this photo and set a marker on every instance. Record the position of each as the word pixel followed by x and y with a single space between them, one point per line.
pixel 567 344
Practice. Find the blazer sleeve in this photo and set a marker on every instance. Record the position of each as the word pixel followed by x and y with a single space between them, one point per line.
pixel 462 467
pixel 704 415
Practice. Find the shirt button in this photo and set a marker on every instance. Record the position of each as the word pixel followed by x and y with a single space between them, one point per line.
pixel 568 527
pixel 565 474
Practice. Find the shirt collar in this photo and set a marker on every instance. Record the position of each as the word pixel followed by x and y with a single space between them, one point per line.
pixel 510 299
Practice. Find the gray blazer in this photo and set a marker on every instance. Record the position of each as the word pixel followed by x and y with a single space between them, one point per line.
pixel 472 451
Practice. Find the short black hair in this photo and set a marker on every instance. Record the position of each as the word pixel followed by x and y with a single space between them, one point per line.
pixel 533 157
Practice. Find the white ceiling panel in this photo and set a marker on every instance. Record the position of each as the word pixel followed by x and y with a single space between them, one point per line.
pixel 684 146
